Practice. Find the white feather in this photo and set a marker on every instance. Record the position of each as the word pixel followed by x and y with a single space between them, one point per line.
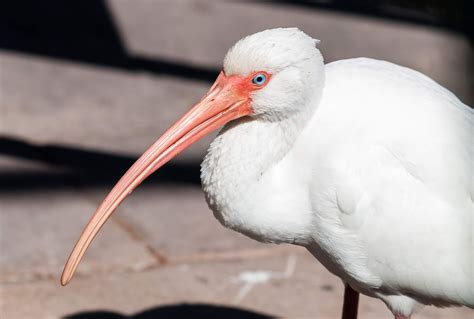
pixel 366 163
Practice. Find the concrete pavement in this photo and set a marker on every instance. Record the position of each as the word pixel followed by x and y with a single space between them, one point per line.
pixel 163 254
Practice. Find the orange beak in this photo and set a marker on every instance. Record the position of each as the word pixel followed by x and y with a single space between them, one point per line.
pixel 228 99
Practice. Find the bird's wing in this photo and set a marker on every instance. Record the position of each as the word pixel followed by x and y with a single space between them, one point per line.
pixel 401 150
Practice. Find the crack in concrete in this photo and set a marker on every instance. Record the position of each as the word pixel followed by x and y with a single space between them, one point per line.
pixel 98 270
pixel 131 231
pixel 236 255
pixel 159 258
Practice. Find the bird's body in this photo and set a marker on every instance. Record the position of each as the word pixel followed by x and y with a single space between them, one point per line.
pixel 365 163
pixel 375 185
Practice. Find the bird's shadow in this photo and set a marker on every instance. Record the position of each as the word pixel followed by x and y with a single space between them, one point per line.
pixel 177 311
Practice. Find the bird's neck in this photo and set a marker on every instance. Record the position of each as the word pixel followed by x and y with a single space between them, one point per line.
pixel 245 149
pixel 241 157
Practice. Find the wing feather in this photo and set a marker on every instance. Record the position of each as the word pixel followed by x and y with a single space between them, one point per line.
pixel 400 152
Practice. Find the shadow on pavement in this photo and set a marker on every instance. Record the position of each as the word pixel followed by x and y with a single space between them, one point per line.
pixel 85 31
pixel 74 167
pixel 195 311
pixel 82 31
pixel 455 15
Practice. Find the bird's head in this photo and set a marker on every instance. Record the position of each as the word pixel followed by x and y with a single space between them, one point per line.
pixel 268 75
pixel 280 68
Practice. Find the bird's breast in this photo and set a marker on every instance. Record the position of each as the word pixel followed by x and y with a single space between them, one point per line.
pixel 261 209
pixel 251 188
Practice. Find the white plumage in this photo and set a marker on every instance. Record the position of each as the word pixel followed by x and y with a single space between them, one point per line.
pixel 365 163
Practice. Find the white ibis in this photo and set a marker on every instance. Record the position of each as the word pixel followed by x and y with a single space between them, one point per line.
pixel 365 163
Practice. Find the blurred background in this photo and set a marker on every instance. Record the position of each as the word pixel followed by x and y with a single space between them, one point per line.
pixel 86 86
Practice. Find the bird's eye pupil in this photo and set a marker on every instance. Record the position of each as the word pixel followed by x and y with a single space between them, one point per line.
pixel 259 79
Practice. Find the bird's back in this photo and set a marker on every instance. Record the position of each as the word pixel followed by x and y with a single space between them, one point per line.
pixel 392 164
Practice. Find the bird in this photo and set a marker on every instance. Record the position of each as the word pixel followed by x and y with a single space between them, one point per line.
pixel 365 163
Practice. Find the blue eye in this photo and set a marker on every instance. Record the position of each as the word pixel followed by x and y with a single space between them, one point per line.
pixel 259 79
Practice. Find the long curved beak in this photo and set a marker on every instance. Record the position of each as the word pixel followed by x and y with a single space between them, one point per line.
pixel 223 103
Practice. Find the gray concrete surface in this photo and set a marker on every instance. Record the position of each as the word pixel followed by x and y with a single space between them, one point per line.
pixel 164 247
pixel 307 292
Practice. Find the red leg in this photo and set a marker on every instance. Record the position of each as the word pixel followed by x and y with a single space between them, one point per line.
pixel 401 317
pixel 351 303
